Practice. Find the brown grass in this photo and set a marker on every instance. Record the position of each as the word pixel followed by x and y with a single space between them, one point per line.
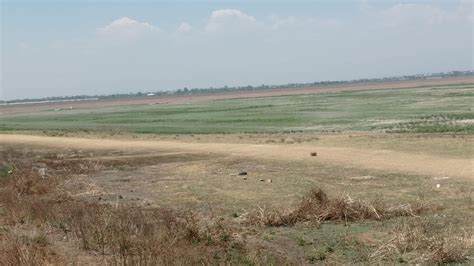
pixel 421 240
pixel 123 234
pixel 131 235
pixel 317 207
pixel 16 250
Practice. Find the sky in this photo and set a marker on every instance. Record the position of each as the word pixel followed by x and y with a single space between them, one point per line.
pixel 63 48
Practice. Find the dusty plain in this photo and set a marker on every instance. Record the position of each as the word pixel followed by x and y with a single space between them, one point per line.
pixel 400 184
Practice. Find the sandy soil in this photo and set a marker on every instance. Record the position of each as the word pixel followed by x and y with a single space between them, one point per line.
pixel 388 160
pixel 22 108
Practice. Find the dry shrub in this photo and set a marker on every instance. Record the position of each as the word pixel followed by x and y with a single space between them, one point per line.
pixel 132 235
pixel 129 234
pixel 30 182
pixel 26 196
pixel 24 210
pixel 14 156
pixel 24 200
pixel 23 251
pixel 422 240
pixel 25 193
pixel 122 235
pixel 316 207
pixel 55 165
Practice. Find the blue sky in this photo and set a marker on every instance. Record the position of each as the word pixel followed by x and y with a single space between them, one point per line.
pixel 57 48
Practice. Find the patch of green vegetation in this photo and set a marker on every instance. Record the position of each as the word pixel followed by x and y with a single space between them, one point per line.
pixel 443 128
pixel 351 110
pixel 6 170
pixel 436 123
pixel 4 128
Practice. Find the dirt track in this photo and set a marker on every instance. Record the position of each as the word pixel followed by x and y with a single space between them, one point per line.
pixel 423 164
pixel 34 107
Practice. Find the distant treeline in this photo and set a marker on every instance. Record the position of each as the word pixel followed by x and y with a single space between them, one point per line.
pixel 193 91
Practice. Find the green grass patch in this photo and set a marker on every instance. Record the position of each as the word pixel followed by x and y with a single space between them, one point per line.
pixel 426 109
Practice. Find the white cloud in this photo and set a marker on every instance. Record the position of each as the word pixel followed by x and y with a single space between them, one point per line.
pixel 414 13
pixel 408 14
pixel 288 21
pixel 292 22
pixel 127 28
pixel 184 28
pixel 233 19
pixel 229 19
pixel 466 10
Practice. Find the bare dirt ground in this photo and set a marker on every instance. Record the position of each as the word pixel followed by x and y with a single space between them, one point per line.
pixel 34 107
pixel 390 160
pixel 201 173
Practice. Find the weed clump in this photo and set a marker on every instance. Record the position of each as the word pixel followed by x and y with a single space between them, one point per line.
pixel 16 250
pixel 131 235
pixel 317 207
pixel 424 241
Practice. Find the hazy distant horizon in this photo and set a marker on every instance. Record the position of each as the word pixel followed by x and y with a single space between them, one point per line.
pixel 92 96
pixel 54 48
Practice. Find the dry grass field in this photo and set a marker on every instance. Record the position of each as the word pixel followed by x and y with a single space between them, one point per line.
pixel 369 196
pixel 374 204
